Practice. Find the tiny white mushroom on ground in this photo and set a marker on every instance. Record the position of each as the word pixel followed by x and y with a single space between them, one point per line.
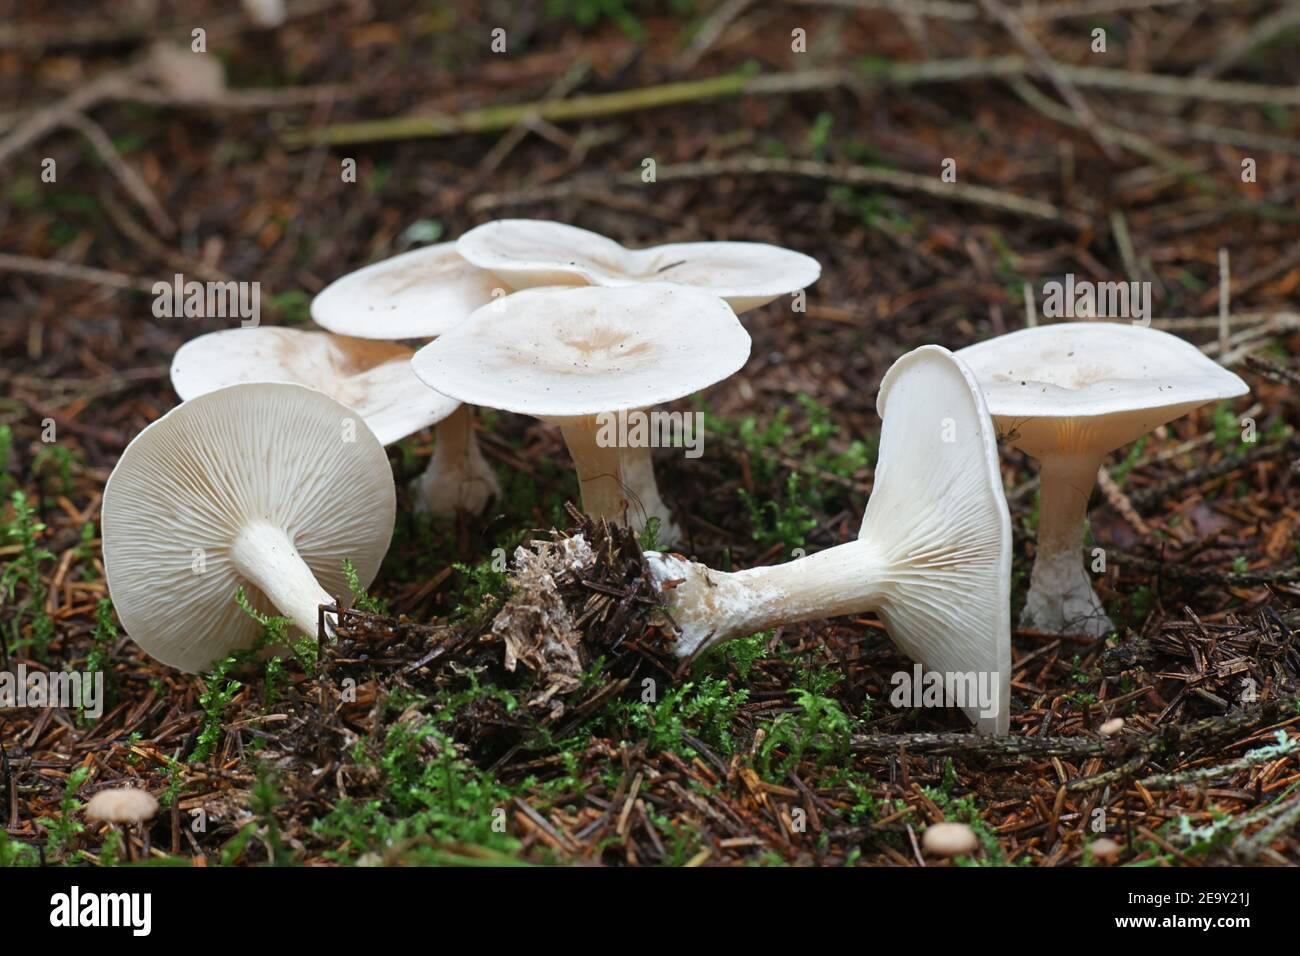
pixel 185 74
pixel 267 14
pixel 577 357
pixel 1069 394
pixel 527 253
pixel 127 805
pixel 1104 850
pixel 949 839
pixel 268 486
pixel 420 295
pixel 1111 727
pixel 933 557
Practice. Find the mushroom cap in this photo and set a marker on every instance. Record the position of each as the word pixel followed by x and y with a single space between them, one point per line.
pixel 192 480
pixel 122 805
pixel 565 353
pixel 938 514
pixel 185 74
pixel 532 252
pixel 374 379
pixel 949 839
pixel 1124 379
pixel 416 295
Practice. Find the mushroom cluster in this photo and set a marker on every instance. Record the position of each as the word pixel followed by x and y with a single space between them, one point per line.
pixel 271 475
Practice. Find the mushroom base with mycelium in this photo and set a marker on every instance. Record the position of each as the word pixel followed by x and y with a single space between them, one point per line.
pixel 933 558
pixel 458 477
pixel 1061 599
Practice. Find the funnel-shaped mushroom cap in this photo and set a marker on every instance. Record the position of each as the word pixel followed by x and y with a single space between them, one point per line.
pixel 264 456
pixel 532 252
pixel 568 353
pixel 938 516
pixel 1092 385
pixel 417 295
pixel 374 379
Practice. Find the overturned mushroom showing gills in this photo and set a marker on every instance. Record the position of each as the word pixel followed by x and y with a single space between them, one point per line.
pixel 579 356
pixel 374 379
pixel 420 295
pixel 528 253
pixel 268 486
pixel 1069 394
pixel 933 558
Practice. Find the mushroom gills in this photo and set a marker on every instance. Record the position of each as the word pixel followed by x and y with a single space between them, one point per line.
pixel 933 557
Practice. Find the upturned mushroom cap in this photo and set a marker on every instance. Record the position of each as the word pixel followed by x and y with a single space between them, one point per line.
pixel 567 353
pixel 416 295
pixel 127 805
pixel 938 514
pixel 272 455
pixel 530 252
pixel 1094 384
pixel 374 379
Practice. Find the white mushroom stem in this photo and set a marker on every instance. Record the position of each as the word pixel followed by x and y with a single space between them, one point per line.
pixel 714 606
pixel 458 477
pixel 600 476
pixel 933 557
pixel 636 465
pixel 1061 599
pixel 265 556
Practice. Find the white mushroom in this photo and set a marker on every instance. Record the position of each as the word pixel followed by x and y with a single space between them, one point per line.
pixel 416 295
pixel 419 295
pixel 1069 394
pixel 526 253
pixel 573 356
pixel 127 805
pixel 949 839
pixel 374 379
pixel 1105 850
pixel 933 558
pixel 267 14
pixel 186 75
pixel 268 486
